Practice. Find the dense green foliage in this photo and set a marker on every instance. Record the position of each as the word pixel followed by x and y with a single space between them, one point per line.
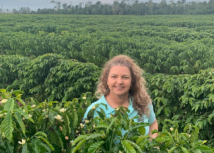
pixel 50 76
pixel 7 66
pixel 56 127
pixel 185 99
pixel 168 44
pixel 105 136
pixel 39 127
pixel 59 57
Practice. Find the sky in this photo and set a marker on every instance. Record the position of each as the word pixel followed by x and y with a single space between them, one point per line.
pixel 35 4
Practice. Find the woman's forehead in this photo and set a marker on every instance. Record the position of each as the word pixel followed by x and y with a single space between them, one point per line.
pixel 119 70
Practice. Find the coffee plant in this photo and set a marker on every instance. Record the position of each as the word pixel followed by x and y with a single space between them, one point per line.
pixel 50 126
pixel 32 126
pixel 51 76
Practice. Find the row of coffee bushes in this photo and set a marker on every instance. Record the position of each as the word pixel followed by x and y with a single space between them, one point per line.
pixel 57 23
pixel 182 98
pixel 185 99
pixel 154 54
pixel 51 126
pixel 51 76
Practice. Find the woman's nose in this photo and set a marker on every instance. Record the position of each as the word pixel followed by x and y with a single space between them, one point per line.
pixel 119 80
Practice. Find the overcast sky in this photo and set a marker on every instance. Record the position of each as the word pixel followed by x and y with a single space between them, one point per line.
pixel 35 4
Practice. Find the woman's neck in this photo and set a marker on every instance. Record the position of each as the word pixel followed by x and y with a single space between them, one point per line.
pixel 115 101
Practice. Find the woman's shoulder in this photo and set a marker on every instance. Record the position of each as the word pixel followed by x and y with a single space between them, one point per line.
pixel 92 106
pixel 94 103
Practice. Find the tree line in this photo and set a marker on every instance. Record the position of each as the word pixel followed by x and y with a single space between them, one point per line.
pixel 126 7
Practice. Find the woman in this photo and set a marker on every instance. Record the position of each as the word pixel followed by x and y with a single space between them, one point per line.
pixel 121 84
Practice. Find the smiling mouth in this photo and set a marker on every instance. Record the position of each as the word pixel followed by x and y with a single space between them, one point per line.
pixel 119 87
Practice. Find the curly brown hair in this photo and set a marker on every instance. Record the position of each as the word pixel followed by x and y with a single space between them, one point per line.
pixel 137 92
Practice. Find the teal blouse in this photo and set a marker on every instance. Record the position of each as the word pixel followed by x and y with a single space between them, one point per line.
pixel 132 113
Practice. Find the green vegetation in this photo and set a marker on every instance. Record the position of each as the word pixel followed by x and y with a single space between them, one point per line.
pixel 166 44
pixel 30 126
pixel 56 127
pixel 53 59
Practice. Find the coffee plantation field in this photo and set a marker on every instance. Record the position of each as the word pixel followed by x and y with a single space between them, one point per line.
pixel 50 64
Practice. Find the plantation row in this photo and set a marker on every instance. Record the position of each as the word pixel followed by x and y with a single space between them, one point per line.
pixel 73 23
pixel 50 76
pixel 169 47
pixel 154 54
pixel 183 98
pixel 57 127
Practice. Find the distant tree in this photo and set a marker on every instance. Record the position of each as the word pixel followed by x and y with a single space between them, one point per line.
pixel 150 7
pixel 131 7
pixel 15 11
pixel 7 11
pixel 24 10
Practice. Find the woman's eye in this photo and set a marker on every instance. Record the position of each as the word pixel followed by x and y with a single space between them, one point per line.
pixel 113 76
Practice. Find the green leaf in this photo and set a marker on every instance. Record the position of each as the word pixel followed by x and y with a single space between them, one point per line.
pixel 45 146
pixel 5 95
pixel 194 134
pixel 112 123
pixel 46 141
pixel 34 146
pixel 19 120
pixel 135 145
pixel 142 130
pixel 64 130
pixel 94 147
pixel 101 113
pixel 142 138
pixel 52 102
pixel 172 149
pixel 195 144
pixel 51 116
pixel 75 119
pixel 67 124
pixel 196 151
pixel 78 139
pixel 17 92
pixel 21 101
pixel 9 146
pixel 140 125
pixel 24 148
pixel 204 149
pixel 92 136
pixel 41 134
pixel 184 150
pixel 9 105
pixel 127 147
pixel 102 125
pixel 8 127
pixel 176 135
pixel 79 145
pixel 160 139
pixel 20 111
pixel 55 139
pixel 2 90
pixel 143 144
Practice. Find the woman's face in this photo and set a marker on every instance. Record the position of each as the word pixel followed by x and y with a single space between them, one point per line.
pixel 119 80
